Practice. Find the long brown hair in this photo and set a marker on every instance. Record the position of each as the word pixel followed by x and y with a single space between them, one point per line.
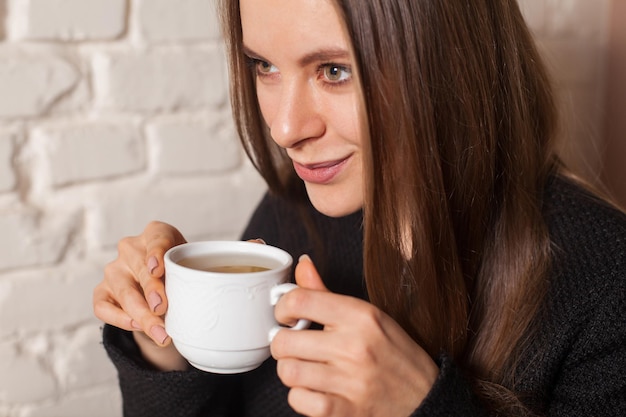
pixel 461 120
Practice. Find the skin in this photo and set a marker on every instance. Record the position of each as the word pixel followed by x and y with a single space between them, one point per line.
pixel 362 363
pixel 132 294
pixel 308 96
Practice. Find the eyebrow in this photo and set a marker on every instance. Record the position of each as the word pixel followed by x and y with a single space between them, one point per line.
pixel 321 55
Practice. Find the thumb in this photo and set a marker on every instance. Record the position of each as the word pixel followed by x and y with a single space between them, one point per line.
pixel 307 275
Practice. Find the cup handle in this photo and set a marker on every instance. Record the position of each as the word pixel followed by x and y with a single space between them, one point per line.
pixel 275 294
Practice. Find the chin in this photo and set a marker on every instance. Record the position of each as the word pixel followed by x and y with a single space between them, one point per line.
pixel 335 204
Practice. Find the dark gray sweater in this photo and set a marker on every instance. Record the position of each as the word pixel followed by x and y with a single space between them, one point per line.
pixel 577 361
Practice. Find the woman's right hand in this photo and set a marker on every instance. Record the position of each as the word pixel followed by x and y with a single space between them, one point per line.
pixel 132 297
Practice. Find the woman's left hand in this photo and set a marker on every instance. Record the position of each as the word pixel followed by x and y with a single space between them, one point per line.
pixel 362 363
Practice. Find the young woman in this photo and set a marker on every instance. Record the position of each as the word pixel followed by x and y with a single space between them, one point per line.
pixel 453 266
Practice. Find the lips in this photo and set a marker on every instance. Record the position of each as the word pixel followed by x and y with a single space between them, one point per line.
pixel 320 173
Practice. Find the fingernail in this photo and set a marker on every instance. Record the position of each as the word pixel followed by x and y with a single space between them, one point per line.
pixel 304 257
pixel 154 300
pixel 159 334
pixel 135 325
pixel 153 263
pixel 259 240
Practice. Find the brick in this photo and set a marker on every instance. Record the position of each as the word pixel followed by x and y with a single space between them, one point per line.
pixel 70 20
pixel 159 80
pixel 7 170
pixel 51 300
pixel 182 20
pixel 28 381
pixel 80 361
pixel 3 13
pixel 29 238
pixel 200 207
pixel 103 402
pixel 187 147
pixel 31 84
pixel 89 151
pixel 77 101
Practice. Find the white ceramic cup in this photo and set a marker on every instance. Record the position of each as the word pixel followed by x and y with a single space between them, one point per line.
pixel 223 322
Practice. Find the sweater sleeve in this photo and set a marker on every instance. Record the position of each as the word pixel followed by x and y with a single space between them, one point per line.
pixel 591 379
pixel 451 395
pixel 193 393
pixel 577 366
pixel 147 392
pixel 582 343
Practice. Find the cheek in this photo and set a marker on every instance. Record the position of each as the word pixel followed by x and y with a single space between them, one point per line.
pixel 350 122
pixel 347 116
pixel 267 104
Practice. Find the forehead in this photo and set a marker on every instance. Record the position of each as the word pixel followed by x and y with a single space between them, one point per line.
pixel 292 24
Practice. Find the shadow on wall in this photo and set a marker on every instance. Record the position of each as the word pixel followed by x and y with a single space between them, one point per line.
pixel 3 15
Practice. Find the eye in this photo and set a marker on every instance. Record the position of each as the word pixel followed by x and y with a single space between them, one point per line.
pixel 265 68
pixel 336 73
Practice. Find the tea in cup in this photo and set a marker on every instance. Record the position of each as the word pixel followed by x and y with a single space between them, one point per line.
pixel 221 297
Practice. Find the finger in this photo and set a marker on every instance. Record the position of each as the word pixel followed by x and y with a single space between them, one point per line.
pixel 128 317
pixel 135 306
pixel 314 376
pixel 311 345
pixel 326 308
pixel 115 316
pixel 122 291
pixel 130 269
pixel 111 313
pixel 158 238
pixel 316 404
pixel 258 240
pixel 307 275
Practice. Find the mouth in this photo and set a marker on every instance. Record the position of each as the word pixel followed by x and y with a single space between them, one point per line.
pixel 322 172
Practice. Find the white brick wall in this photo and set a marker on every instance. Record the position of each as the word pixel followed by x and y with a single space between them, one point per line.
pixel 77 152
pixel 163 79
pixel 172 21
pixel 114 113
pixel 31 81
pixel 68 20
pixel 7 150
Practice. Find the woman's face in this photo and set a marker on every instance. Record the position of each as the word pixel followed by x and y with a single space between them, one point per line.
pixel 307 95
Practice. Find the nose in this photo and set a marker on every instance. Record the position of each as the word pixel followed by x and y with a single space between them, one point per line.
pixel 298 115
